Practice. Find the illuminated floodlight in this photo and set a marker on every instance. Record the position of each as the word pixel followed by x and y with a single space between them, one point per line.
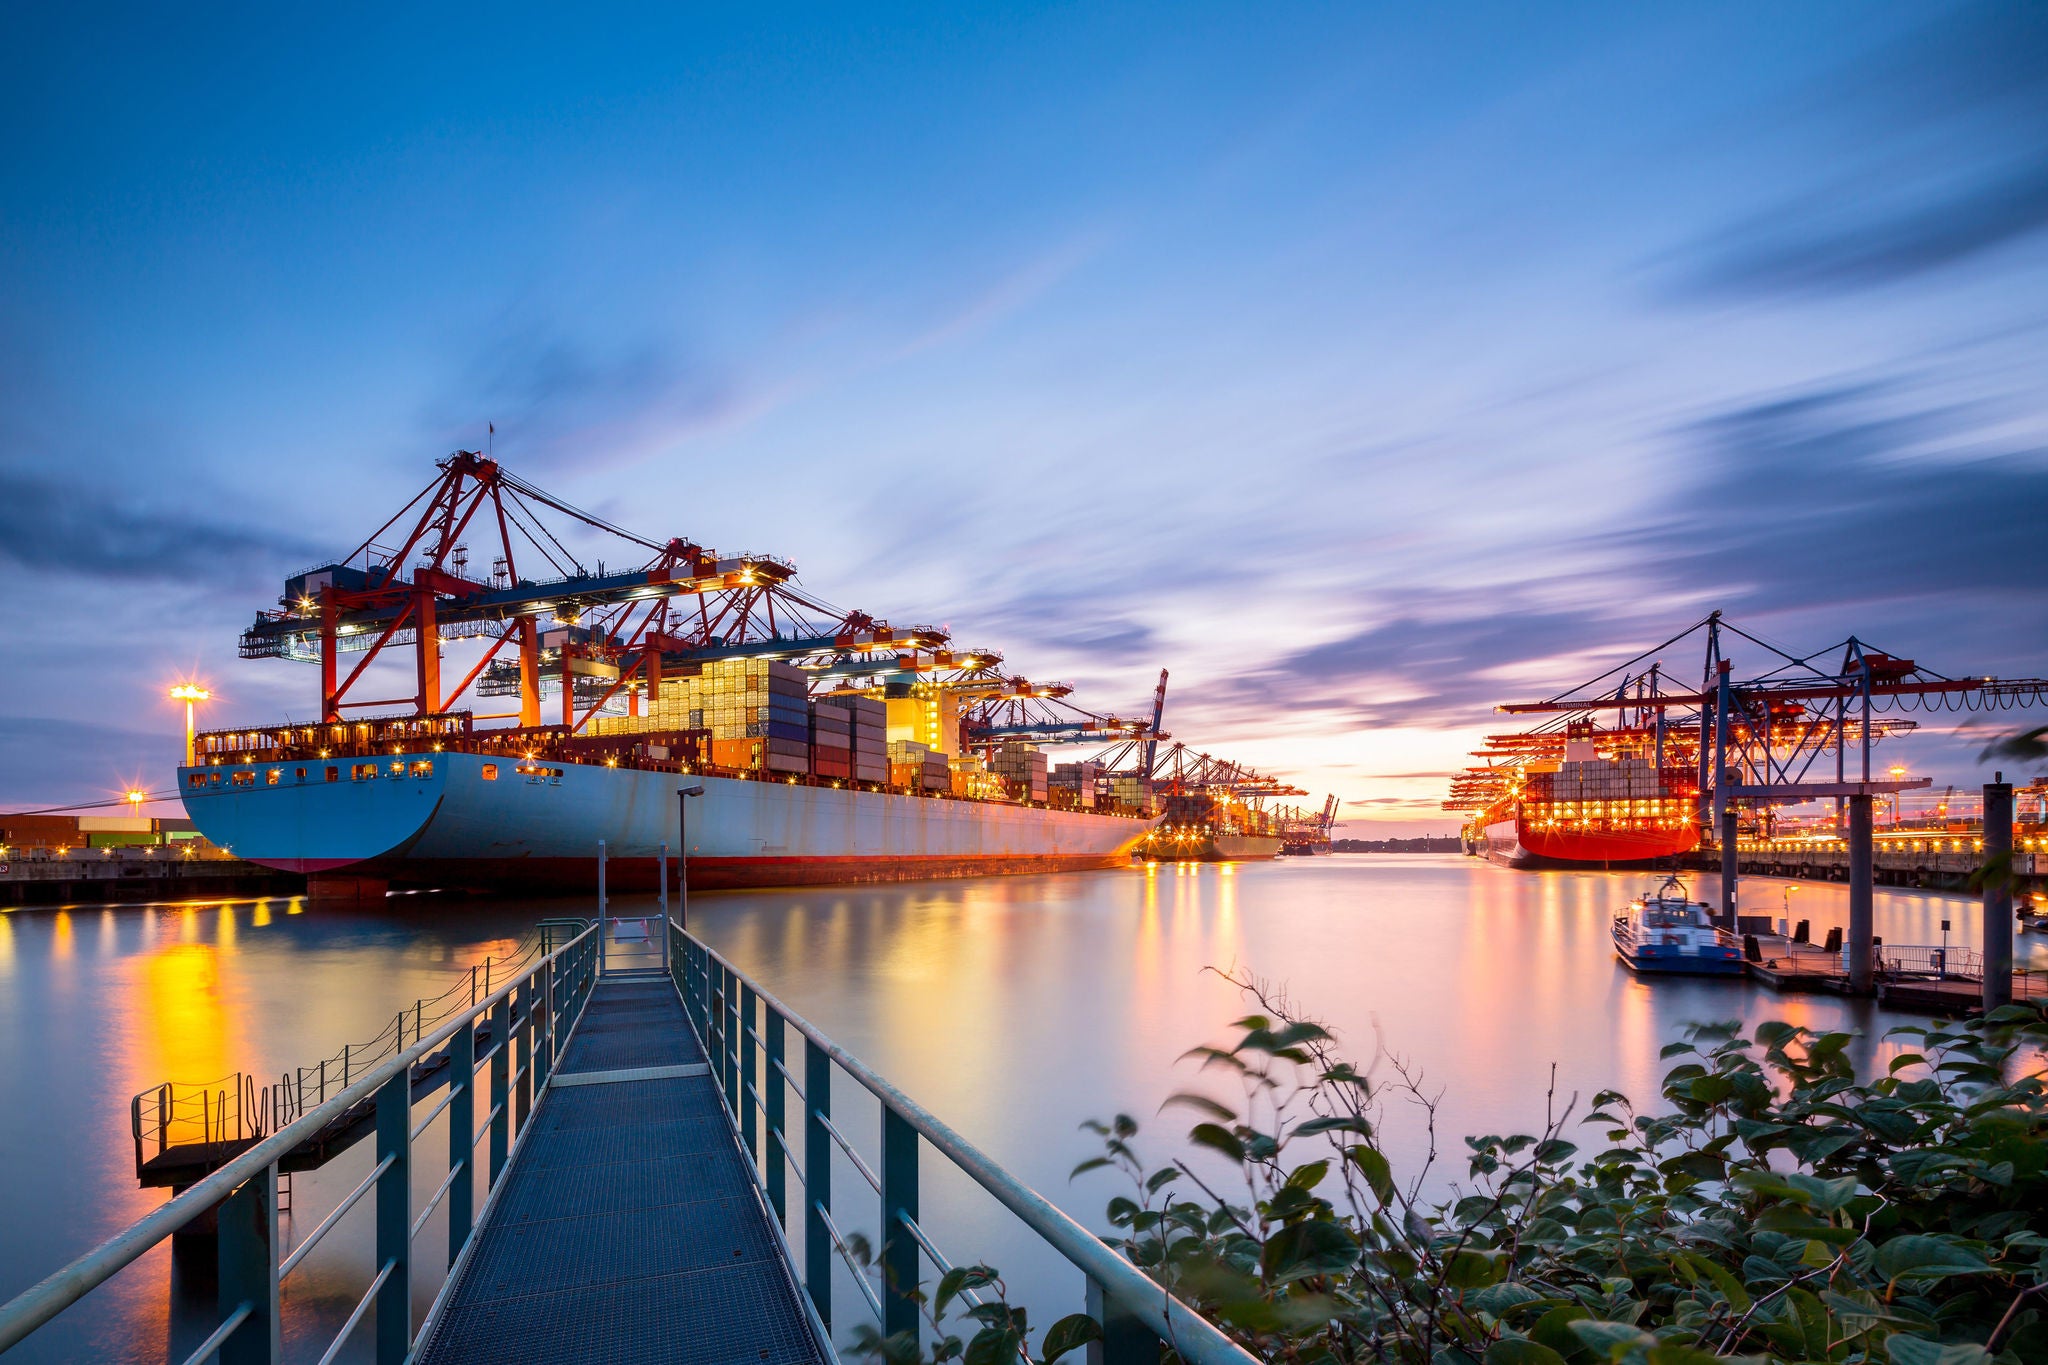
pixel 191 694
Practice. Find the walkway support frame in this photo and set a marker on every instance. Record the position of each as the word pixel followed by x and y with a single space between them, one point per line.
pixel 252 1260
pixel 1135 1313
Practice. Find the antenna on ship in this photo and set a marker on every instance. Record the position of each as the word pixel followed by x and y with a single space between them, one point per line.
pixel 491 440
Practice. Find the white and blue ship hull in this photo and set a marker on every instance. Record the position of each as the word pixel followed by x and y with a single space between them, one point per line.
pixel 468 820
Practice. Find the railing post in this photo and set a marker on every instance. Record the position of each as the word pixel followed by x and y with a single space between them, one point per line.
pixel 544 1038
pixel 899 1202
pixel 778 1121
pixel 461 1134
pixel 749 1128
pixel 817 1179
pixel 714 1043
pixel 1125 1339
pixel 501 1086
pixel 394 1219
pixel 731 1058
pixel 699 993
pixel 522 1055
pixel 247 1248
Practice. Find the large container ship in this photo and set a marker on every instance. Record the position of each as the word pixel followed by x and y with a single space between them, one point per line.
pixel 1598 798
pixel 362 811
pixel 821 745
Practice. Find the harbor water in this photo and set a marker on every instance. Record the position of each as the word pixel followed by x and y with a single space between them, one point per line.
pixel 1013 1008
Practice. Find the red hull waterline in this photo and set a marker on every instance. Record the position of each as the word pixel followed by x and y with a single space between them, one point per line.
pixel 556 875
pixel 1516 843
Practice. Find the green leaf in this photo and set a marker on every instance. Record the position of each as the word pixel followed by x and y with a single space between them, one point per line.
pixel 1673 1353
pixel 1907 1350
pixel 1553 1329
pixel 1333 1124
pixel 1612 1340
pixel 1306 1250
pixel 958 1280
pixel 1218 1138
pixel 1521 1351
pixel 1829 1196
pixel 1503 1298
pixel 1161 1178
pixel 1372 1164
pixel 1093 1163
pixel 1471 1269
pixel 1075 1329
pixel 1927 1258
pixel 994 1346
pixel 1711 1089
pixel 1202 1104
pixel 1730 1287
pixel 1308 1175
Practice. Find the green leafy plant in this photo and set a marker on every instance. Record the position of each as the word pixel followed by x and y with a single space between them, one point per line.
pixel 1780 1208
pixel 1001 1334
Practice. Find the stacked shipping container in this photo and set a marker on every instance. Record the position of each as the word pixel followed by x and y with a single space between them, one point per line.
pixel 918 768
pixel 1022 769
pixel 867 731
pixel 1073 785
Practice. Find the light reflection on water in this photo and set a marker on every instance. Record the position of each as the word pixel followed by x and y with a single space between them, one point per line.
pixel 1012 1008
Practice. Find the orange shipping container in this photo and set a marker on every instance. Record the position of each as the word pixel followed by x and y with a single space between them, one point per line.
pixel 744 754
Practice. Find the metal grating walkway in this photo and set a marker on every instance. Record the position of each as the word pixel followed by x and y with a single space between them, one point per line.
pixel 627 1228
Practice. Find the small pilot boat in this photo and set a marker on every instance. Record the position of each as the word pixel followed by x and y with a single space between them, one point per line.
pixel 1667 932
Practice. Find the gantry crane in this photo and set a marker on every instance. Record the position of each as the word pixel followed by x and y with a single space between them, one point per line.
pixel 597 636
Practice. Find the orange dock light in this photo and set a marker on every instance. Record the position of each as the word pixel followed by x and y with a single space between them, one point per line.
pixel 191 694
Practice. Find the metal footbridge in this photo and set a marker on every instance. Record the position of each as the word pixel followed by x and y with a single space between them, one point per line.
pixel 635 1164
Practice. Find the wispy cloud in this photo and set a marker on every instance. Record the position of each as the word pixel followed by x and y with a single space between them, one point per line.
pixel 51 762
pixel 1942 158
pixel 1009 291
pixel 84 530
pixel 1854 509
pixel 562 402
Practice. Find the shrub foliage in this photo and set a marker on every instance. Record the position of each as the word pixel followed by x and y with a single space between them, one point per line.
pixel 1778 1207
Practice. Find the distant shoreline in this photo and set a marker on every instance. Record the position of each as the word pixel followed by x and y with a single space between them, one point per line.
pixel 1431 843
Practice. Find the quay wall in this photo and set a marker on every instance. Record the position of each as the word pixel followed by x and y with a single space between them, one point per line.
pixel 95 877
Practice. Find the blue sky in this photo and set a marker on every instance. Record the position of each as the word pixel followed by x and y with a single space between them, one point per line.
pixel 1364 365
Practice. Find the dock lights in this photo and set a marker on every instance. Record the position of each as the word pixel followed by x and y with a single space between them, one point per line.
pixel 191 694
pixel 134 798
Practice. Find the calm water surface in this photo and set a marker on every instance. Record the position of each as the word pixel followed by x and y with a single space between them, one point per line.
pixel 1011 1007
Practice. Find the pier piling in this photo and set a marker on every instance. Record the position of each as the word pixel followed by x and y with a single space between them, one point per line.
pixel 1730 866
pixel 1998 810
pixel 1862 952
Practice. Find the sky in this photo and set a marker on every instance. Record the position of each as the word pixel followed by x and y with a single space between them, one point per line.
pixel 1363 365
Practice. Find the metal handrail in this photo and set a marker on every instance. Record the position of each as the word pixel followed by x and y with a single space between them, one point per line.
pixel 1134 1294
pixel 37 1305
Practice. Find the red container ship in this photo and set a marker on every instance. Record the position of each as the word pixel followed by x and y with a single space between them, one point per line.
pixel 1581 797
